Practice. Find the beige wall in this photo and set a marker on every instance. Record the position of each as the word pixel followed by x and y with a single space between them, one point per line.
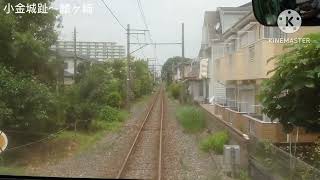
pixel 239 65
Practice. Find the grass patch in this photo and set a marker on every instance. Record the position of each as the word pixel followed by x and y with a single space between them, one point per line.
pixel 215 142
pixel 191 118
pixel 11 171
pixel 62 145
pixel 244 175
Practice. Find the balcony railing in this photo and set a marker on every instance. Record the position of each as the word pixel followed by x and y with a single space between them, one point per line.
pixel 254 111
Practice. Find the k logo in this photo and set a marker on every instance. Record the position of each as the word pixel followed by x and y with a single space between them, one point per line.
pixel 289 21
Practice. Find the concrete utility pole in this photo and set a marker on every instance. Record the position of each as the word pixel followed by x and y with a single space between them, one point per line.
pixel 75 53
pixel 183 56
pixel 182 69
pixel 128 68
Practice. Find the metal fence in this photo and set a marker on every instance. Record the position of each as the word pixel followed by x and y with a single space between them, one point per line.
pixel 243 107
pixel 274 163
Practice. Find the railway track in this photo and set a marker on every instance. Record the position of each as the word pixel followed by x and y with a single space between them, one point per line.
pixel 144 158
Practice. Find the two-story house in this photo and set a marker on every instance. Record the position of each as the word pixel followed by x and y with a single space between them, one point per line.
pixel 243 64
pixel 212 46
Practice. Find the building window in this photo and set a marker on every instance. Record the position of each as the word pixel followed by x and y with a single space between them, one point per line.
pixel 251 53
pixel 273 32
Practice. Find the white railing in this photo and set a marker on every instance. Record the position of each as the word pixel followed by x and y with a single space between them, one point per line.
pixel 243 107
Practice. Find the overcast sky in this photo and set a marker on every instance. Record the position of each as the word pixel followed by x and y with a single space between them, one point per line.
pixel 164 18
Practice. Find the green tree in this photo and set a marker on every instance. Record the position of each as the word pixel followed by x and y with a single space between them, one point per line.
pixel 25 39
pixel 292 94
pixel 142 78
pixel 169 66
pixel 25 104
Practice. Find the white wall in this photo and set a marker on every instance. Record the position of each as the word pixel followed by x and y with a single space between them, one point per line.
pixel 70 63
pixel 194 88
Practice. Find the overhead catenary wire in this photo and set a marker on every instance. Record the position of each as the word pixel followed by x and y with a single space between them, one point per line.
pixel 144 19
pixel 117 19
pixel 113 14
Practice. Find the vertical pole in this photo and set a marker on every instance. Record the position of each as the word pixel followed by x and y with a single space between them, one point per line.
pixel 75 53
pixel 128 68
pixel 182 67
pixel 183 56
pixel 154 73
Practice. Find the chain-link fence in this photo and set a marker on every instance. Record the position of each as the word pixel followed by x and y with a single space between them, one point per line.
pixel 269 160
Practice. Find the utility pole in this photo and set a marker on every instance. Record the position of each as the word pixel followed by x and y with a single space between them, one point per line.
pixel 182 69
pixel 183 56
pixel 128 68
pixel 75 54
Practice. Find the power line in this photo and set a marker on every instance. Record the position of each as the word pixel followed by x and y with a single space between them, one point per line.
pixel 117 19
pixel 111 12
pixel 38 141
pixel 144 19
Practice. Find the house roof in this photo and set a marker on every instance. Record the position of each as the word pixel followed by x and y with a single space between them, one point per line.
pixel 240 24
pixel 249 4
pixel 245 7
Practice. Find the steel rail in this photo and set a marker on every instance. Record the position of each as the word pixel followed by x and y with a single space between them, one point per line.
pixel 160 138
pixel 137 136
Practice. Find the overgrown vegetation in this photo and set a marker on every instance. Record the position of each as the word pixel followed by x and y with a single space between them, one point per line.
pixel 175 90
pixel 244 175
pixel 215 142
pixel 169 68
pixel 292 93
pixel 34 101
pixel 191 118
pixel 279 163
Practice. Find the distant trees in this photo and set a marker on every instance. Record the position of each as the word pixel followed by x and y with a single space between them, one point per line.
pixel 169 66
pixel 142 78
pixel 292 94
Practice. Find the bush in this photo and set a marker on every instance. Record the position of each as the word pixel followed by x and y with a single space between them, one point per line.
pixel 175 90
pixel 26 104
pixel 114 99
pixel 215 142
pixel 110 114
pixel 191 118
